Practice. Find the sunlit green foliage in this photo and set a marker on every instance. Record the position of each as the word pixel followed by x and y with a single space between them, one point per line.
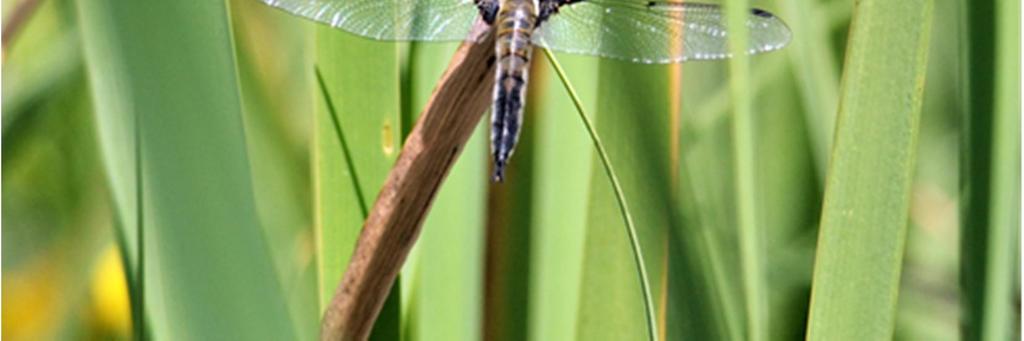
pixel 203 125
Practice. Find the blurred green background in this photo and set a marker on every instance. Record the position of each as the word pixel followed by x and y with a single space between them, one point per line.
pixel 171 169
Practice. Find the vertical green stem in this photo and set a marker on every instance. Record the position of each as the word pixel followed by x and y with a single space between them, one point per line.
pixel 1005 211
pixel 138 312
pixel 750 240
pixel 990 167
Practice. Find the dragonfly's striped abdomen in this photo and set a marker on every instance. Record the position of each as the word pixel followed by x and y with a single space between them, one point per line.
pixel 515 23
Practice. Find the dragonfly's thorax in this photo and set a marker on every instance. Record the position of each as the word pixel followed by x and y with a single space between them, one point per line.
pixel 515 24
pixel 522 11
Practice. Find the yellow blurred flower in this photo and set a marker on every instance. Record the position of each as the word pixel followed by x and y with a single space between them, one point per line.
pixel 110 293
pixel 31 300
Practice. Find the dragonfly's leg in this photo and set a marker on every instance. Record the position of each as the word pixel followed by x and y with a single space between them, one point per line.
pixel 488 10
pixel 549 7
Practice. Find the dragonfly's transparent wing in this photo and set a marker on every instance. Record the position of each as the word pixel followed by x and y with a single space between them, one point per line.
pixel 654 31
pixel 431 20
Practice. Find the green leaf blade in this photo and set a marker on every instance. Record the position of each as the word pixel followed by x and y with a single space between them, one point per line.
pixel 990 162
pixel 628 117
pixel 561 187
pixel 355 145
pixel 168 69
pixel 867 199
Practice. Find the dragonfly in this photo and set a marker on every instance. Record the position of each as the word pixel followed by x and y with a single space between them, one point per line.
pixel 647 32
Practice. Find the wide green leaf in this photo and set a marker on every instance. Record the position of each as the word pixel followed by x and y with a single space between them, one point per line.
pixel 867 193
pixel 628 119
pixel 357 128
pixel 274 60
pixel 165 84
pixel 561 177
